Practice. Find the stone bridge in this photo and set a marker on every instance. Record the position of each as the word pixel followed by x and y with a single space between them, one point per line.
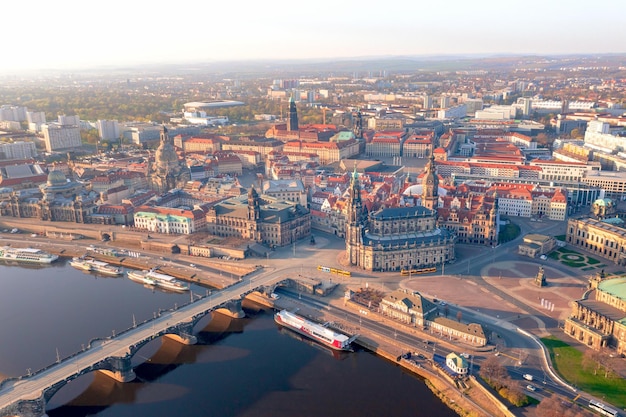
pixel 27 396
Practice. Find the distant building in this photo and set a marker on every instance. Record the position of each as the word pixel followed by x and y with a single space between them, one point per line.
pixel 61 136
pixel 13 113
pixel 18 150
pixel 385 143
pixel 108 129
pixel 35 119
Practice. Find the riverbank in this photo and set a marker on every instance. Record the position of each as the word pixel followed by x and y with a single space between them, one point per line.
pixel 468 399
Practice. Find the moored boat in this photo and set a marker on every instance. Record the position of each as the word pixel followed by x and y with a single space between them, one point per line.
pixel 104 267
pixel 324 335
pixel 80 263
pixel 27 255
pixel 158 279
pixel 141 277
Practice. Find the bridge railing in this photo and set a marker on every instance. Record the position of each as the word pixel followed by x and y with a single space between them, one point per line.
pixel 196 298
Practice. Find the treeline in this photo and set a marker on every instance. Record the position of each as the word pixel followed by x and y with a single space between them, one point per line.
pixel 118 103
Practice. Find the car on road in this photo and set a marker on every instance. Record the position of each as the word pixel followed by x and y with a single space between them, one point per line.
pixel 528 377
pixel 443 303
pixel 465 355
pixel 543 257
pixel 531 388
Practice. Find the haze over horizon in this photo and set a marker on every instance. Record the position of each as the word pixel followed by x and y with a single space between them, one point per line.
pixel 67 35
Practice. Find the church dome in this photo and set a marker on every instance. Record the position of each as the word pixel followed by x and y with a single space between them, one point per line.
pixel 166 155
pixel 56 178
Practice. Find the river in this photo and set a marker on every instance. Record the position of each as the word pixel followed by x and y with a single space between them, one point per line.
pixel 247 367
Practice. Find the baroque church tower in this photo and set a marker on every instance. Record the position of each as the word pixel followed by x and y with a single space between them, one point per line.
pixel 167 171
pixel 358 125
pixel 430 186
pixel 354 225
pixel 254 214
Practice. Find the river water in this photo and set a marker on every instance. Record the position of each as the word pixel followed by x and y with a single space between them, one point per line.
pixel 247 367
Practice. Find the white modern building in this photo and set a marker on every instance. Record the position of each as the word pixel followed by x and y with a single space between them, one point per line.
pixel 13 113
pixel 17 150
pixel 35 119
pixel 108 129
pixel 598 135
pixel 58 136
pixel 455 112
pixel 65 120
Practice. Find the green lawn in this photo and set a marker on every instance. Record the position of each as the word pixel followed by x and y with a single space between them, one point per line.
pixel 567 361
pixel 565 250
pixel 508 233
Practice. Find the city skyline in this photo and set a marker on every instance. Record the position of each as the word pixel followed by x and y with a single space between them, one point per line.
pixel 63 35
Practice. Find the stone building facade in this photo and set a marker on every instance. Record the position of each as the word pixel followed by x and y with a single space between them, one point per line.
pixel 56 200
pixel 601 322
pixel 259 219
pixel 167 171
pixel 606 239
pixel 392 239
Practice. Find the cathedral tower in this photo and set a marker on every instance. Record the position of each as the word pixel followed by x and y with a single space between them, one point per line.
pixel 430 185
pixel 358 125
pixel 354 225
pixel 292 123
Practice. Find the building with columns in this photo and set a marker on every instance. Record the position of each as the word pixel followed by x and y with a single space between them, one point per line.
pixel 603 238
pixel 600 322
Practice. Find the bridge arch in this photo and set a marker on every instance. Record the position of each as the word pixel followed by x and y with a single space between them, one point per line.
pixel 119 367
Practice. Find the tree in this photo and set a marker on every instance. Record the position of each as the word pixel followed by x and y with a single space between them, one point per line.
pixel 516 394
pixel 591 359
pixel 555 406
pixel 575 134
pixel 492 370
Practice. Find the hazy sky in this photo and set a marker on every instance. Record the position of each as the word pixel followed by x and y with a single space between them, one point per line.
pixel 84 33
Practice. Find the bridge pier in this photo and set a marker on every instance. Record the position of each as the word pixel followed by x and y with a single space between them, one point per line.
pixel 233 309
pixel 183 334
pixel 27 408
pixel 119 368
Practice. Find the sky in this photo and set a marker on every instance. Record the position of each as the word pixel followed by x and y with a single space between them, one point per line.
pixel 75 34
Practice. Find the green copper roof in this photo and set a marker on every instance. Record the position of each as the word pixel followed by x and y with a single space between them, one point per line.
pixel 615 287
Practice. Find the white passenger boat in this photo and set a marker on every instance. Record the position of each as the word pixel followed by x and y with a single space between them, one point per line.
pixel 27 255
pixel 315 331
pixel 80 263
pixel 104 267
pixel 158 279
